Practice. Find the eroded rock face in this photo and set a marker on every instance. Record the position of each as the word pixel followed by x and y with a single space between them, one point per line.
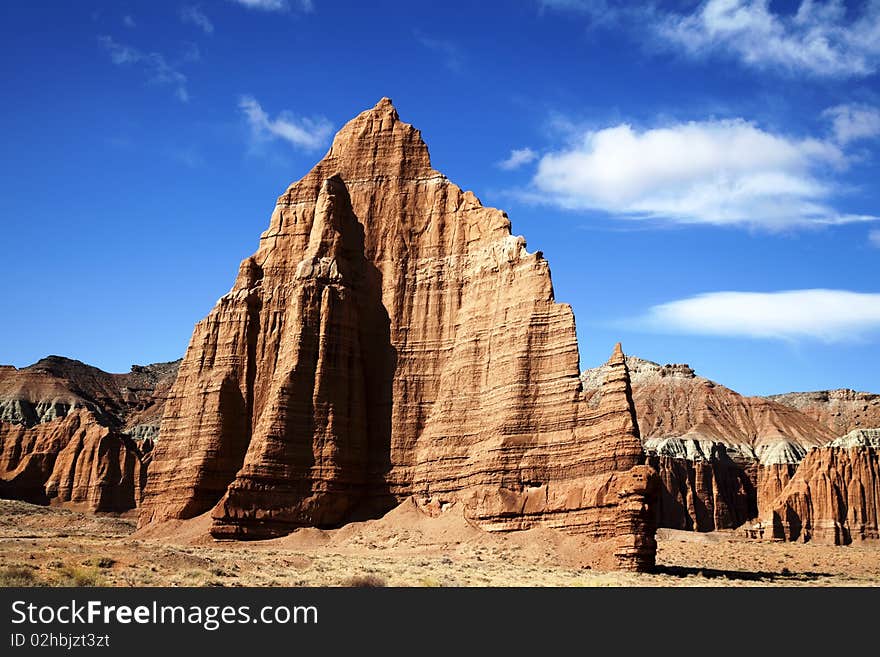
pixel 834 497
pixel 71 459
pixel 721 456
pixel 705 494
pixel 71 433
pixel 390 338
pixel 840 410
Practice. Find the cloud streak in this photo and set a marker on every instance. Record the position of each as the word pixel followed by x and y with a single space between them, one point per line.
pixel 830 316
pixel 157 68
pixel 818 39
pixel 853 122
pixel 517 158
pixel 719 172
pixel 452 56
pixel 300 132
pixel 195 16
pixel 822 39
pixel 306 6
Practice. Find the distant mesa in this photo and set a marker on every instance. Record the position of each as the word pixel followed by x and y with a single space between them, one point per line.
pixel 727 461
pixel 71 433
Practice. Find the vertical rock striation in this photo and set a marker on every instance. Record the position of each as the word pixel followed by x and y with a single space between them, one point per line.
pixel 391 338
pixel 71 433
pixel 722 457
pixel 834 497
pixel 72 459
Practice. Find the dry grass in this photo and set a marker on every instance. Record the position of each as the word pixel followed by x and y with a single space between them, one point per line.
pixel 365 581
pixel 39 549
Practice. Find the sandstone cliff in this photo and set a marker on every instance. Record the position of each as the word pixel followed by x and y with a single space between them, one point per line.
pixel 721 456
pixel 71 433
pixel 834 497
pixel 75 459
pixel 390 338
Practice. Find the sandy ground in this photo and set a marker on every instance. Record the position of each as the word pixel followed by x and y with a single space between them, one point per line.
pixel 49 546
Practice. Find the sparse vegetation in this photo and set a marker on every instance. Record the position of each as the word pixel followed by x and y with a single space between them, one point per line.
pixel 32 553
pixel 18 576
pixel 80 576
pixel 366 581
pixel 100 562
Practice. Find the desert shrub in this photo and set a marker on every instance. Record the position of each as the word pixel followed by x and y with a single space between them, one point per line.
pixel 365 581
pixel 103 562
pixel 18 576
pixel 81 576
pixel 195 577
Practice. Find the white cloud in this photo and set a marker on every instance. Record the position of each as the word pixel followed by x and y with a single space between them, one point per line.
pixel 874 238
pixel 823 315
pixel 264 5
pixel 851 122
pixel 819 38
pixel 307 6
pixel 517 158
pixel 195 16
pixel 155 65
pixel 723 172
pixel 307 133
pixel 128 21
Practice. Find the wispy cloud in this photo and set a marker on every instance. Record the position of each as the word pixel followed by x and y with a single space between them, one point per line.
pixel 157 68
pixel 451 54
pixel 874 238
pixel 795 315
pixel 517 158
pixel 722 172
pixel 598 12
pixel 852 122
pixel 818 39
pixel 306 6
pixel 302 132
pixel 129 21
pixel 195 16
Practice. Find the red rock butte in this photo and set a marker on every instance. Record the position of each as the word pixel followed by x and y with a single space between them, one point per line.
pixel 391 339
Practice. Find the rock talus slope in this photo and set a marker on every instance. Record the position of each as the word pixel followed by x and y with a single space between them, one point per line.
pixel 391 338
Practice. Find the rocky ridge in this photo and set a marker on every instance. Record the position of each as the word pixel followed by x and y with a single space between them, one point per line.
pixel 840 410
pixel 71 433
pixel 719 454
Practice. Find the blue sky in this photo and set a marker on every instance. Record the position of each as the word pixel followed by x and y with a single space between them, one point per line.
pixel 702 176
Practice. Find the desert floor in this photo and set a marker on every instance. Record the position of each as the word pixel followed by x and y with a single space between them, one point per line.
pixel 50 546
